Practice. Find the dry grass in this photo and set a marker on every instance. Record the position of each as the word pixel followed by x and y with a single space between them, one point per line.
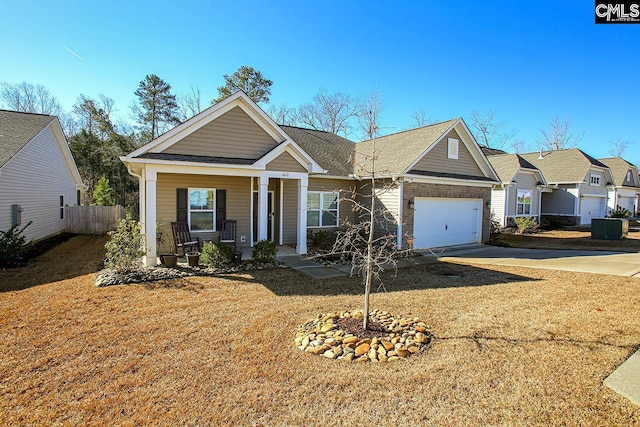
pixel 569 239
pixel 514 346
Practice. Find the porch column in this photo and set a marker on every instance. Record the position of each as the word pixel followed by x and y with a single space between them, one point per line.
pixel 149 226
pixel 263 214
pixel 301 246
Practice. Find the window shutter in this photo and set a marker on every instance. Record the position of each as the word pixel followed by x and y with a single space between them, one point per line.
pixel 221 205
pixel 182 207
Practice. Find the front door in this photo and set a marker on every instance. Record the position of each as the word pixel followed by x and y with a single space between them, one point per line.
pixel 269 218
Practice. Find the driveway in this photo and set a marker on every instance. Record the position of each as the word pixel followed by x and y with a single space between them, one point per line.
pixel 617 263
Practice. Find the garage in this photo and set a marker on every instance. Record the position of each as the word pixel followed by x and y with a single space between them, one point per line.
pixel 591 207
pixel 446 222
pixel 626 202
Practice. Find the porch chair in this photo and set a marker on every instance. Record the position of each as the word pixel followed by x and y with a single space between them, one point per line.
pixel 227 232
pixel 182 238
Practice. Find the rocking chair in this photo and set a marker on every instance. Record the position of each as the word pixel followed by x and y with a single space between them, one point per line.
pixel 182 238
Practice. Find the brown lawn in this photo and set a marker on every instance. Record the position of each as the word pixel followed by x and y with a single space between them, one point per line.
pixel 568 239
pixel 514 346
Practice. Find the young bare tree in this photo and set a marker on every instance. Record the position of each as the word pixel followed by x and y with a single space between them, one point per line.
pixel 488 131
pixel 29 98
pixel 329 112
pixel 619 147
pixel 519 145
pixel 559 135
pixel 421 118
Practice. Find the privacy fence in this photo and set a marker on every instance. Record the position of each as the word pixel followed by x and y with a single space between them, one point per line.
pixel 93 219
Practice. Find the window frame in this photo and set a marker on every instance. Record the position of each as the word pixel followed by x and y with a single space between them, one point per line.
pixel 594 180
pixel 530 204
pixel 61 206
pixel 320 209
pixel 212 210
pixel 453 148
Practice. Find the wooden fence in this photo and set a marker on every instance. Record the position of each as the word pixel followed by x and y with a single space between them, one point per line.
pixel 93 219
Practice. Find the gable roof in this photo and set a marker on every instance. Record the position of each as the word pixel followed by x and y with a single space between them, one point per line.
pixel 508 165
pixel 400 150
pixel 492 151
pixel 332 152
pixel 563 166
pixel 17 129
pixel 619 168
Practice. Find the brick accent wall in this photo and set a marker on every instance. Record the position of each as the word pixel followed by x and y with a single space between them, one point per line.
pixel 413 190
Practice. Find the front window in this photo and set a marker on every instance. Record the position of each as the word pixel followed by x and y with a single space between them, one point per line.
pixel 523 202
pixel 202 214
pixel 594 179
pixel 322 209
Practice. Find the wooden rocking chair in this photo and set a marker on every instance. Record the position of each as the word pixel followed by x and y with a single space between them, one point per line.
pixel 182 238
pixel 227 232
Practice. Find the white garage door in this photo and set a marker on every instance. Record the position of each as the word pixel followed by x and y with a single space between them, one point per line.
pixel 626 202
pixel 591 207
pixel 446 222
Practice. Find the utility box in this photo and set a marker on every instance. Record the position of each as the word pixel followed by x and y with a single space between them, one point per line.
pixel 16 215
pixel 609 228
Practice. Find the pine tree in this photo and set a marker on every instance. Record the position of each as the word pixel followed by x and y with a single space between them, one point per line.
pixel 156 108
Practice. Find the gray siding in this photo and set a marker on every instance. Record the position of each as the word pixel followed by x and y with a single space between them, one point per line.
pixel 35 178
pixel 601 189
pixel 234 134
pixel 561 201
pixel 436 159
pixel 285 162
pixel 629 182
pixel 524 181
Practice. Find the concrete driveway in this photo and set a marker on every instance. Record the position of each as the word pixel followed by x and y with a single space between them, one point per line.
pixel 617 263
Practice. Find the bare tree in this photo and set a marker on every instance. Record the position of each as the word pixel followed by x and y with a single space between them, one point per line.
pixel 189 104
pixel 519 145
pixel 282 114
pixel 29 98
pixel 329 112
pixel 619 147
pixel 369 112
pixel 559 135
pixel 421 118
pixel 488 131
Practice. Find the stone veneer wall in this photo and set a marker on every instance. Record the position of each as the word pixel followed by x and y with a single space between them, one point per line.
pixel 412 190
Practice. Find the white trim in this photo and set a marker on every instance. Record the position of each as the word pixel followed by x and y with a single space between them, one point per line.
pixel 523 190
pixel 301 244
pixel 270 195
pixel 320 209
pixel 453 148
pixel 202 169
pixel 447 181
pixel 505 217
pixel 399 230
pixel 251 236
pixel 263 208
pixel 293 149
pixel 151 218
pixel 280 215
pixel 238 99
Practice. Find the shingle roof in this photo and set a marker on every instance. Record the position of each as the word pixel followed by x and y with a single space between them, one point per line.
pixel 200 159
pixel 397 151
pixel 492 151
pixel 332 152
pixel 17 129
pixel 568 165
pixel 619 168
pixel 508 165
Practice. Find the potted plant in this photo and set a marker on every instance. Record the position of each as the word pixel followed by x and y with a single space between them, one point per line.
pixel 166 258
pixel 193 258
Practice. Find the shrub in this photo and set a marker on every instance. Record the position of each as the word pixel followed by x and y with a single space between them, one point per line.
pixel 322 240
pixel 526 224
pixel 12 246
pixel 620 212
pixel 125 247
pixel 495 226
pixel 265 251
pixel 103 194
pixel 216 254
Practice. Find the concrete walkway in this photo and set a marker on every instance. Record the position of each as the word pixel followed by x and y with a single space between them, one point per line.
pixel 626 379
pixel 616 263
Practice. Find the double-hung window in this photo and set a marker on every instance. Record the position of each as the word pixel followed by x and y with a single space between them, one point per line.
pixel 322 209
pixel 202 213
pixel 523 202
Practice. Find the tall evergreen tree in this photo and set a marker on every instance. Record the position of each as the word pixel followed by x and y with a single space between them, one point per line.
pixel 156 108
pixel 249 80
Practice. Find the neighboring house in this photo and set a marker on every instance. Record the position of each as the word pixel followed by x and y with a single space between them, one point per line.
pixel 232 161
pixel 38 176
pixel 577 186
pixel 520 190
pixel 626 184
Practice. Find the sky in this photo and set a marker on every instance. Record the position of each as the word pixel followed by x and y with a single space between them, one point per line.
pixel 528 61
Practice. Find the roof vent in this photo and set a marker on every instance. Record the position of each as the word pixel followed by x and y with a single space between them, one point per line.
pixel 541 156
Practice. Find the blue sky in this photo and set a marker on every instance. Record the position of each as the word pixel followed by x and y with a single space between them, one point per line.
pixel 528 61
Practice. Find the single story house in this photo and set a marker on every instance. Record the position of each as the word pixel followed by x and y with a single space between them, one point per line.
pixel 626 184
pixel 38 176
pixel 232 161
pixel 577 186
pixel 519 192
